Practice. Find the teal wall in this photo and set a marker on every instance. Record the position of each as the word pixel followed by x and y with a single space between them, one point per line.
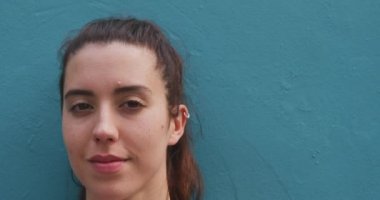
pixel 287 94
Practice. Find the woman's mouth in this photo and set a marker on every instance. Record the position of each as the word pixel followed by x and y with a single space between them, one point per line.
pixel 107 164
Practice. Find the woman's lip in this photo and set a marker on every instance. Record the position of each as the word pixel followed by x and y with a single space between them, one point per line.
pixel 108 158
pixel 106 168
pixel 107 163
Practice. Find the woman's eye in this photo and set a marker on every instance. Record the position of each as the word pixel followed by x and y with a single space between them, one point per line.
pixel 132 104
pixel 81 107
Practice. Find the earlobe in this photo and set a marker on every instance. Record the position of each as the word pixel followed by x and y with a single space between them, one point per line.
pixel 179 123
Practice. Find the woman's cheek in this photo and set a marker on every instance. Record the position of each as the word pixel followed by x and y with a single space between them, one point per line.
pixel 73 137
pixel 144 137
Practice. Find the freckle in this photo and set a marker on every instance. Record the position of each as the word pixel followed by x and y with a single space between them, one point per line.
pixel 162 127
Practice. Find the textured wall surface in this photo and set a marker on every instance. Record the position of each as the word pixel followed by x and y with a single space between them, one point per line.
pixel 287 94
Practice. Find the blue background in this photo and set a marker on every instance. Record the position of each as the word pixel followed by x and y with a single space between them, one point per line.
pixel 287 94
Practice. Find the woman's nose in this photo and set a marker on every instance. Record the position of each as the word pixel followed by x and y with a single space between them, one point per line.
pixel 105 130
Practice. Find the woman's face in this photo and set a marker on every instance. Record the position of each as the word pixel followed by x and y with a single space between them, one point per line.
pixel 115 121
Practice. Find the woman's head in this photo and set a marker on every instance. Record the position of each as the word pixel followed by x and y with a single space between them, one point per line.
pixel 135 32
pixel 123 115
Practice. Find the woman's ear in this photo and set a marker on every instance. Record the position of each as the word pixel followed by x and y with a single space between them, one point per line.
pixel 178 124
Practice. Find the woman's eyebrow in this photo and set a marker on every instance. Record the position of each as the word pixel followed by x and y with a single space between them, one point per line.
pixel 120 90
pixel 132 88
pixel 78 92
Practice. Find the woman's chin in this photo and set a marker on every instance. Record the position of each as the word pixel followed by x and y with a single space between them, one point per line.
pixel 106 193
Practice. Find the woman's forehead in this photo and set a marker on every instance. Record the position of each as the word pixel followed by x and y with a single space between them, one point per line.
pixel 111 66
pixel 113 52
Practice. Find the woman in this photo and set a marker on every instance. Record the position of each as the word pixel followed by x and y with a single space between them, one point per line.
pixel 123 113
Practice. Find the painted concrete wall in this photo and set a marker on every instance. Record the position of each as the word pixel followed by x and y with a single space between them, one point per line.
pixel 287 94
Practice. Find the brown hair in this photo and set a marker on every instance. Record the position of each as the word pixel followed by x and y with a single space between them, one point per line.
pixel 184 178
